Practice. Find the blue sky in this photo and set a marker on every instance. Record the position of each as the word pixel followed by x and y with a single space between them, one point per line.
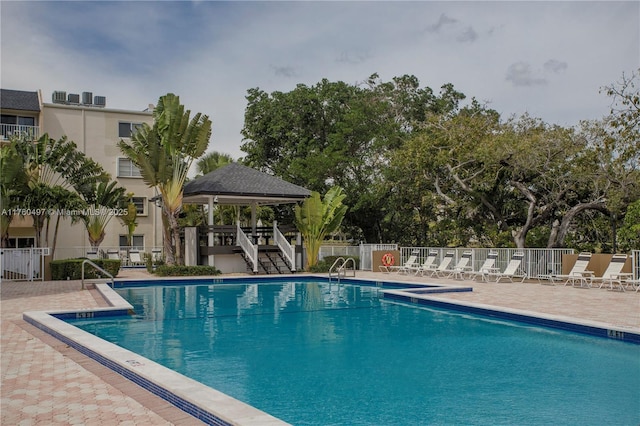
pixel 546 58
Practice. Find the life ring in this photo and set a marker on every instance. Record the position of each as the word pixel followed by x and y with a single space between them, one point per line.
pixel 388 259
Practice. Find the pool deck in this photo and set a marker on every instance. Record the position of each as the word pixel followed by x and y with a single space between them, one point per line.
pixel 43 381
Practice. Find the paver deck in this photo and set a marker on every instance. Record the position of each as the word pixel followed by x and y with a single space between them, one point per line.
pixel 45 382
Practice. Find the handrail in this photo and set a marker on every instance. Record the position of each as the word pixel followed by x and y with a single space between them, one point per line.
pixel 98 268
pixel 284 246
pixel 342 267
pixel 248 247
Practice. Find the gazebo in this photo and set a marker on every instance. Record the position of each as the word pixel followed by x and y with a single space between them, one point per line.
pixel 235 184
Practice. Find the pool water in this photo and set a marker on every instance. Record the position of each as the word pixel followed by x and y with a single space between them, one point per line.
pixel 328 354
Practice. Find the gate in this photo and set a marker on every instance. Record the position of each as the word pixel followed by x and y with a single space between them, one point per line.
pixel 22 264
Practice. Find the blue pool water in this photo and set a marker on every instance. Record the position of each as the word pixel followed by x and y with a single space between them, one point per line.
pixel 321 354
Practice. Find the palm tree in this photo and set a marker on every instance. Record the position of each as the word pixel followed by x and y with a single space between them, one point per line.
pixel 12 184
pixel 56 174
pixel 164 153
pixel 102 200
pixel 130 218
pixel 316 218
pixel 212 161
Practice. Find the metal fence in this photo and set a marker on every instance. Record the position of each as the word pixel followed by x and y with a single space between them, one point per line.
pixel 536 261
pixel 22 264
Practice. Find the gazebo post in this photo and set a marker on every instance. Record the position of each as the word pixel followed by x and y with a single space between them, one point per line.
pixel 211 218
pixel 253 221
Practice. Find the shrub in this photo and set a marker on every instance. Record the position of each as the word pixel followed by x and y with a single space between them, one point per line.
pixel 178 270
pixel 72 268
pixel 324 264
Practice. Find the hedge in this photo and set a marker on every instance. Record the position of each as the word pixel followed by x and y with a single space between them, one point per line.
pixel 178 270
pixel 72 268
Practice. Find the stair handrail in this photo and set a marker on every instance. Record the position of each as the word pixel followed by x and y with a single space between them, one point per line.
pixel 248 247
pixel 96 267
pixel 287 249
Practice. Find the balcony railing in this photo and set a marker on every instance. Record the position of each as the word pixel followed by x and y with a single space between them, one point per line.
pixel 9 130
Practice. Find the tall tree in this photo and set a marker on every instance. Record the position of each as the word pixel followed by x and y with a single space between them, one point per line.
pixel 164 153
pixel 334 133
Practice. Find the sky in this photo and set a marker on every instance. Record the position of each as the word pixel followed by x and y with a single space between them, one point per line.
pixel 547 59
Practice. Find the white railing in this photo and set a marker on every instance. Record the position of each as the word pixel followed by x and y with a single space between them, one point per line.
pixel 248 247
pixel 110 252
pixel 8 130
pixel 287 249
pixel 22 264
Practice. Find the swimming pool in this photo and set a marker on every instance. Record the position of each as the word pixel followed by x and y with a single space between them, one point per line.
pixel 319 353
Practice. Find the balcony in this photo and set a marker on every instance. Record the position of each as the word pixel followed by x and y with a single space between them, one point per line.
pixel 9 130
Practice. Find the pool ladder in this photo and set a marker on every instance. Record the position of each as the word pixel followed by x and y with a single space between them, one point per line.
pixel 341 267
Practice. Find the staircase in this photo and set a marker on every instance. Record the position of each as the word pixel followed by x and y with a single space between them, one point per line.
pixel 270 261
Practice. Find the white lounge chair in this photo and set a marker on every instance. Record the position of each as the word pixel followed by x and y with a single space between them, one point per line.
pixel 512 269
pixel 92 254
pixel 441 270
pixel 135 258
pixel 462 267
pixel 576 272
pixel 156 255
pixel 487 267
pixel 113 254
pixel 613 273
pixel 410 262
pixel 428 264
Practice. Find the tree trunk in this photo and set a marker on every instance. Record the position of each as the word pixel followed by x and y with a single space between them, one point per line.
pixel 169 252
pixel 563 228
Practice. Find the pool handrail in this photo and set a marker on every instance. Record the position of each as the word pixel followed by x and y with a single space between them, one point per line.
pixel 96 267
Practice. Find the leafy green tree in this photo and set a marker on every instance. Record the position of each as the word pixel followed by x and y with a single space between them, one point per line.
pixel 318 217
pixel 164 153
pixel 334 133
pixel 104 197
pixel 630 230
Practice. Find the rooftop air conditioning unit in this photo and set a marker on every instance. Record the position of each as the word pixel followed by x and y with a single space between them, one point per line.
pixel 73 98
pixel 100 101
pixel 59 97
pixel 87 98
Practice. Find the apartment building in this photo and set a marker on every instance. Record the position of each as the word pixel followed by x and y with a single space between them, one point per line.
pixel 96 129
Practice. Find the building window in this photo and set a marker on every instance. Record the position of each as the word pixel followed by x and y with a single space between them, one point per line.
pixel 126 129
pixel 21 242
pixel 141 205
pixel 126 168
pixel 137 242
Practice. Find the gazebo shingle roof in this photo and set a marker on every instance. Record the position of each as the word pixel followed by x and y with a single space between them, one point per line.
pixel 237 181
pixel 19 100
